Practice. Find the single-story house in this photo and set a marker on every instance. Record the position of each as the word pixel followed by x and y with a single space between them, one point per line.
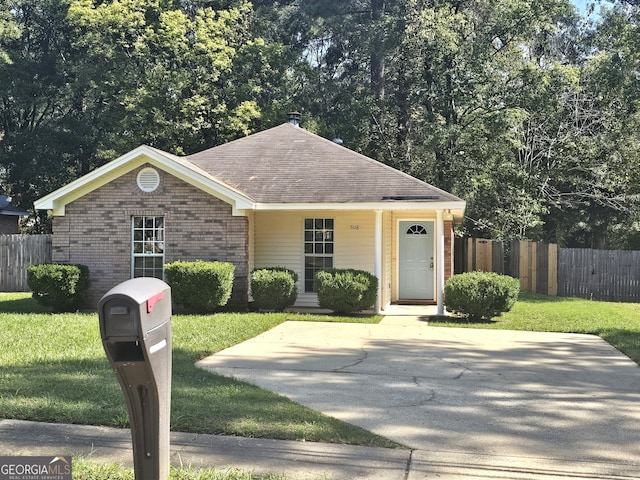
pixel 10 216
pixel 280 197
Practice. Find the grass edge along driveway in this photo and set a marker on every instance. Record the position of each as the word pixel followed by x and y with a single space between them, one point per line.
pixel 53 369
pixel 616 323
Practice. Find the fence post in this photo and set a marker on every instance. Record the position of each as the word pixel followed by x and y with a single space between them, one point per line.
pixel 553 269
pixel 498 257
pixel 523 265
pixel 533 265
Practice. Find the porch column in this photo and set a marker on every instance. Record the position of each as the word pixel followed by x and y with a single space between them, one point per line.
pixel 440 261
pixel 377 260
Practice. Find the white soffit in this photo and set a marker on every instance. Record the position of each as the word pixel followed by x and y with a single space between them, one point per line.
pixel 456 208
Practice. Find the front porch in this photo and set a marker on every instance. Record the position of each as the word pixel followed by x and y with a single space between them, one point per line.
pixel 396 310
pixel 393 310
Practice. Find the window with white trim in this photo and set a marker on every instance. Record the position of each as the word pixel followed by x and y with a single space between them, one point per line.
pixel 318 248
pixel 147 246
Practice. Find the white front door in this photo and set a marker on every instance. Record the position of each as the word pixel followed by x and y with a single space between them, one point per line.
pixel 416 257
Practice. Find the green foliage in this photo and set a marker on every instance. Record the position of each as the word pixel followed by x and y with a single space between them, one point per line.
pixel 346 290
pixel 617 323
pixel 61 287
pixel 274 288
pixel 88 81
pixel 8 30
pixel 200 286
pixel 529 115
pixel 170 69
pixel 504 103
pixel 480 295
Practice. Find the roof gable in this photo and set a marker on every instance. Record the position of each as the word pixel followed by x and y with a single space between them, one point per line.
pixel 177 166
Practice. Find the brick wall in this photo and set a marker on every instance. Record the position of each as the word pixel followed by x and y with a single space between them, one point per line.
pixel 448 249
pixel 96 231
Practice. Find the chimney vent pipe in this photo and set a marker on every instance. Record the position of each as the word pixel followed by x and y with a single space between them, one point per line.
pixel 294 118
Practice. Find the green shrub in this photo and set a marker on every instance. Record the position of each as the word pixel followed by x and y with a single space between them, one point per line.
pixel 346 290
pixel 200 286
pixel 273 288
pixel 59 286
pixel 480 295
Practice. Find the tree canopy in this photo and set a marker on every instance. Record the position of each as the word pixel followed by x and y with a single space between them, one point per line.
pixel 527 110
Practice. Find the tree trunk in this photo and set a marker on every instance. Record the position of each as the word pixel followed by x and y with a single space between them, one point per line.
pixel 377 48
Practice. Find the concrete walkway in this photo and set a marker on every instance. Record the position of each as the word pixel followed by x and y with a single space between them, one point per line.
pixel 468 404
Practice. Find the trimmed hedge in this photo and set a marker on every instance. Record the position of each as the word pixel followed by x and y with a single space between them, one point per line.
pixel 200 286
pixel 480 295
pixel 273 288
pixel 60 286
pixel 346 290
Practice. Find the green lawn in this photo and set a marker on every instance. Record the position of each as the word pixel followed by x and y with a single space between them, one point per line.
pixel 53 369
pixel 88 470
pixel 617 323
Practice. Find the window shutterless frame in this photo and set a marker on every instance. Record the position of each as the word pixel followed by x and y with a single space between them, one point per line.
pixel 318 248
pixel 147 246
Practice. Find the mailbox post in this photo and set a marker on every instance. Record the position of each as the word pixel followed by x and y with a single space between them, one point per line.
pixel 135 325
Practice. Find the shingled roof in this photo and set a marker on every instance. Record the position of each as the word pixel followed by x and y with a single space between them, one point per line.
pixel 282 168
pixel 287 164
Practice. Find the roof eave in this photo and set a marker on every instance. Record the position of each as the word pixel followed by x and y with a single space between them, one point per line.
pixel 455 207
pixel 14 213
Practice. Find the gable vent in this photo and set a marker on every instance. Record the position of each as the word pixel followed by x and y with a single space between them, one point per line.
pixel 148 179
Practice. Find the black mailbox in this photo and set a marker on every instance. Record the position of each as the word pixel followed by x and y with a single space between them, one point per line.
pixel 135 325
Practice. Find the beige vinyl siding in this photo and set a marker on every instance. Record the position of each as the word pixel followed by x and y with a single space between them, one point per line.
pixel 278 242
pixel 354 240
pixel 279 238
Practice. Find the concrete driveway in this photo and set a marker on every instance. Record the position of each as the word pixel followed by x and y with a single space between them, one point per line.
pixel 538 405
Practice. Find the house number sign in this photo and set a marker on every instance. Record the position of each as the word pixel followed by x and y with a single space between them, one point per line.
pixel 354 227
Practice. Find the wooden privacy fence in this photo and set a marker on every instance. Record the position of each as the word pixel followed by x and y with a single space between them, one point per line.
pixel 534 263
pixel 17 252
pixel 611 275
